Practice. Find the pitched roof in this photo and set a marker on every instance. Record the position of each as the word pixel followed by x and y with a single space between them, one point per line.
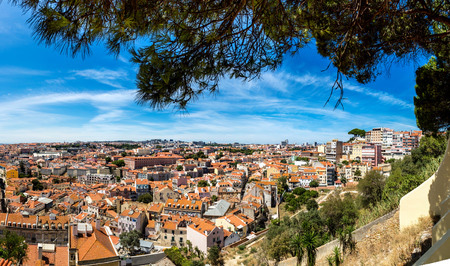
pixel 218 209
pixel 93 247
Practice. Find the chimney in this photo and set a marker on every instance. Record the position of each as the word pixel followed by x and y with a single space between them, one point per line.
pixel 40 251
pixel 75 229
pixel 98 224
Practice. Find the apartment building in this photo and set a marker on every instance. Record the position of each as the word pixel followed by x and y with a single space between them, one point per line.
pixel 194 208
pixel 51 229
pixel 205 234
pixel 91 179
pixel 140 162
pixel 334 150
pixel 371 154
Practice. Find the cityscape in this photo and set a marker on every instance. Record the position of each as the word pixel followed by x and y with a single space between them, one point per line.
pixel 72 201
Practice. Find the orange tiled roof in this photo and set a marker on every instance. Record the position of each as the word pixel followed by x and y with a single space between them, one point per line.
pixel 93 247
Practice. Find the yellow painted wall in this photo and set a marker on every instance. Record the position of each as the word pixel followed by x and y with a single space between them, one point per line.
pixel 225 224
pixel 426 199
pixel 272 171
pixel 12 174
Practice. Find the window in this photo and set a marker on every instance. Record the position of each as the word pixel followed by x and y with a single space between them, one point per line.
pixel 181 239
pixel 165 230
pixel 165 237
pixel 173 232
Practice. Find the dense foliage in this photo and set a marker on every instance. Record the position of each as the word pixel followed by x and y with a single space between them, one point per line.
pixel 37 185
pixel 130 240
pixel 432 103
pixel 214 256
pixel 414 169
pixel 202 183
pixel 406 175
pixel 196 156
pixel 13 247
pixel 370 188
pixel 180 257
pixel 145 198
pixel 298 198
pixel 124 146
pixel 119 163
pixel 357 132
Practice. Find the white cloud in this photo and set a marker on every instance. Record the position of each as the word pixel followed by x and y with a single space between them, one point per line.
pixel 57 81
pixel 382 96
pixel 105 76
pixel 28 113
pixel 295 84
pixel 7 71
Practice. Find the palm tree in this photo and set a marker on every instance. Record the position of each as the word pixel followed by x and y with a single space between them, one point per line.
pixel 346 239
pixel 297 247
pixel 310 241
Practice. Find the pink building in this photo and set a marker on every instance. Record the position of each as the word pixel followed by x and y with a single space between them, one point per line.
pixel 205 234
pixel 371 154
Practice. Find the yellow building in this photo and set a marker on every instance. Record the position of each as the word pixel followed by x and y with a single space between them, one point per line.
pixel 12 173
pixel 239 223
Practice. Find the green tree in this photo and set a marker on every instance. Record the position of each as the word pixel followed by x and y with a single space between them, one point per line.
pixel 214 256
pixel 119 163
pixel 124 154
pixel 310 241
pixel 357 173
pixel 202 183
pixel 193 44
pixel 108 159
pixel 22 168
pixel 312 205
pixel 282 185
pixel 432 103
pixel 314 183
pixel 371 188
pixel 189 244
pixel 299 191
pixel 346 240
pixel 279 246
pixel 390 160
pixel 356 132
pixel 305 159
pixel 37 185
pixel 213 198
pixel 130 240
pixel 283 161
pixel 297 247
pixel 344 180
pixel 13 247
pixel 179 168
pixel 145 198
pixel 338 213
pixel 335 258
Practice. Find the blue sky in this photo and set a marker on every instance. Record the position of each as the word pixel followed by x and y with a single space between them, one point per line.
pixel 46 96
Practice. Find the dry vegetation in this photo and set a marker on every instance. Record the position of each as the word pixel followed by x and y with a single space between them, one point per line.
pixel 384 244
pixel 250 255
